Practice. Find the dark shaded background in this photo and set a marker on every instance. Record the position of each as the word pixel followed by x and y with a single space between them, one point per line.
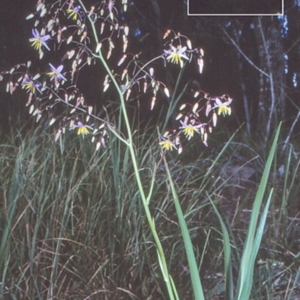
pixel 235 6
pixel 226 71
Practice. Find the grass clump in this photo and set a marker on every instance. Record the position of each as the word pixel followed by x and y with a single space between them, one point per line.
pixel 63 218
pixel 73 227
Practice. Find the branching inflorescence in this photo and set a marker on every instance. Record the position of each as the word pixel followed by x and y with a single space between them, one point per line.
pixel 82 36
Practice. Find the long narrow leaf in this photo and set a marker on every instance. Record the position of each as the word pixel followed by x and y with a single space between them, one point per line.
pixel 246 288
pixel 194 272
pixel 247 258
pixel 227 256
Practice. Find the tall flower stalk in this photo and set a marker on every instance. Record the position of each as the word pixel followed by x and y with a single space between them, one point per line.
pixel 60 88
pixel 144 198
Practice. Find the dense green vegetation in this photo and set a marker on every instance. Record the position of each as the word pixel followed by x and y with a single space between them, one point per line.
pixel 72 224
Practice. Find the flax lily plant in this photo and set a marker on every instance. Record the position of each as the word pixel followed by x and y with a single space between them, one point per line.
pixel 179 52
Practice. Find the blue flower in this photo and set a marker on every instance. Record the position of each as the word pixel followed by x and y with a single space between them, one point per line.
pixel 82 129
pixel 38 41
pixel 170 141
pixel 56 73
pixel 190 129
pixel 30 85
pixel 75 13
pixel 223 107
pixel 175 55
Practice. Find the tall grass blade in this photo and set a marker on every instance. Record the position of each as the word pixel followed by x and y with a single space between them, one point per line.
pixel 15 189
pixel 227 255
pixel 194 272
pixel 246 288
pixel 254 235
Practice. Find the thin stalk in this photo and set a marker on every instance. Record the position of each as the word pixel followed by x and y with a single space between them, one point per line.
pixel 173 101
pixel 129 143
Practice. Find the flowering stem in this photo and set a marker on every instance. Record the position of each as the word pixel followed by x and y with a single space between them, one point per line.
pixel 143 67
pixel 173 102
pixel 162 261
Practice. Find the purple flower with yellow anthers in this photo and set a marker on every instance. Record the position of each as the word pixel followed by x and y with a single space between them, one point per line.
pixel 223 107
pixel 166 144
pixel 175 55
pixel 170 141
pixel 82 129
pixel 75 13
pixel 190 129
pixel 30 85
pixel 56 73
pixel 39 40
